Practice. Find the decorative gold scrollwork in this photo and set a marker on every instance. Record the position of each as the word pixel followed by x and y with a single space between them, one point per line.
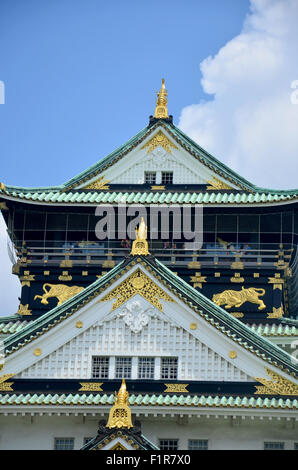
pixel 276 386
pixel 159 139
pixel 137 283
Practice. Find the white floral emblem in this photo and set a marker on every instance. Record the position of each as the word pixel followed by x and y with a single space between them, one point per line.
pixel 135 316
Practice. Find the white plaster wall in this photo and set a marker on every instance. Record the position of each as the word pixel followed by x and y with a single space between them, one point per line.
pixel 39 432
pixel 159 338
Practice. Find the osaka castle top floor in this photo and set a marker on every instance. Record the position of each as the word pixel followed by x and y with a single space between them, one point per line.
pixel 245 234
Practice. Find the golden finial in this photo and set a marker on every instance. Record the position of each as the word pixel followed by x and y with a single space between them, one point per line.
pixel 120 413
pixel 140 244
pixel 161 109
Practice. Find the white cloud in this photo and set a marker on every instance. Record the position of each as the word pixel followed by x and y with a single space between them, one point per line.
pixel 10 288
pixel 250 123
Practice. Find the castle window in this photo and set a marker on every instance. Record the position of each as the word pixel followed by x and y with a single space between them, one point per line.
pixel 169 367
pixel 100 367
pixel 168 444
pixel 150 177
pixel 274 445
pixel 64 443
pixel 146 368
pixel 123 367
pixel 197 444
pixel 167 177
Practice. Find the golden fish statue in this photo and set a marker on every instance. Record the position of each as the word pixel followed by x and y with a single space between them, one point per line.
pixel 120 413
pixel 140 244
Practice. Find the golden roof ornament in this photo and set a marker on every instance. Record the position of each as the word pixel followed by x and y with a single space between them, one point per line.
pixel 120 413
pixel 140 244
pixel 161 109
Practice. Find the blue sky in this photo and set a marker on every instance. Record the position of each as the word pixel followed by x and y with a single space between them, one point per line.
pixel 81 78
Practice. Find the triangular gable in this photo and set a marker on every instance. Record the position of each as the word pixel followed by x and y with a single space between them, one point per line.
pixel 162 143
pixel 222 333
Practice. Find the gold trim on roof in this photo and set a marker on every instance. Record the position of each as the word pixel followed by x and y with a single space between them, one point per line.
pixel 90 387
pixel 161 108
pixel 137 283
pixel 100 183
pixel 159 139
pixel 277 385
pixel 277 312
pixel 6 386
pixel 217 184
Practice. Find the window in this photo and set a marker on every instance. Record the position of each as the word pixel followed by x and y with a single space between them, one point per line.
pixel 64 443
pixel 123 367
pixel 197 444
pixel 150 177
pixel 274 445
pixel 169 367
pixel 168 444
pixel 100 367
pixel 167 177
pixel 146 368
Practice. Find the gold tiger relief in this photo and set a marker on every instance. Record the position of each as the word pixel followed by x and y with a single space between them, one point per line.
pixel 235 298
pixel 61 291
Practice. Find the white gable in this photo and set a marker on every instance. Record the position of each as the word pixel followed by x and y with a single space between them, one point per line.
pixel 132 167
pixel 203 351
pixel 115 336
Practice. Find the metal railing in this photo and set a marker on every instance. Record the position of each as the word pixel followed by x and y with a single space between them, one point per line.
pixel 97 253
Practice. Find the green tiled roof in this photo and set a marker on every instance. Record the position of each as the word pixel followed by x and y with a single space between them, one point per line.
pixel 150 197
pixel 65 193
pixel 275 330
pixel 195 401
pixel 232 327
pixel 12 326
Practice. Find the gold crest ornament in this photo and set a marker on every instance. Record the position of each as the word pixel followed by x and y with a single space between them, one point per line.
pixel 120 413
pixel 140 244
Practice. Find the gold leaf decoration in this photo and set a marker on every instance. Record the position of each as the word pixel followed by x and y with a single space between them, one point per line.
pixel 24 310
pixel 90 387
pixel 197 280
pixel 100 183
pixel 276 386
pixel 176 388
pixel 137 283
pixel 277 312
pixel 6 386
pixel 159 139
pixel 217 184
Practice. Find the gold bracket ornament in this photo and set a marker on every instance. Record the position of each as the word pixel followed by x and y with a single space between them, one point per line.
pixel 140 244
pixel 176 388
pixel 237 278
pixel 120 413
pixel 90 387
pixel 137 283
pixel 277 312
pixel 197 280
pixel 24 310
pixel 6 386
pixel 276 386
pixel 276 281
pixel 159 139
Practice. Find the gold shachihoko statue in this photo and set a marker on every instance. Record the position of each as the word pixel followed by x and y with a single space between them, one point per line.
pixel 140 244
pixel 120 413
pixel 161 109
